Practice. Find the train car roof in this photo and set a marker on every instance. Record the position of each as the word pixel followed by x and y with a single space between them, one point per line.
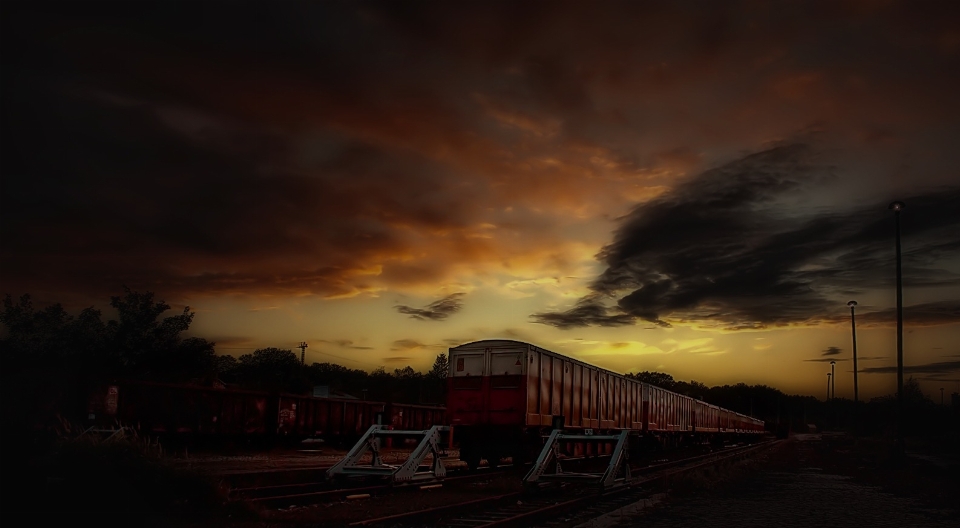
pixel 490 342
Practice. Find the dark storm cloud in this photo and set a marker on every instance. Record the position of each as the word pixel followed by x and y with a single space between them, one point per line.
pixel 131 195
pixel 306 147
pixel 127 160
pixel 587 312
pixel 437 310
pixel 929 368
pixel 832 351
pixel 829 359
pixel 727 248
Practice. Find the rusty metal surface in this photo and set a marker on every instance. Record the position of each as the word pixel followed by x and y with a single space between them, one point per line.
pixel 176 409
pixel 583 395
pixel 195 411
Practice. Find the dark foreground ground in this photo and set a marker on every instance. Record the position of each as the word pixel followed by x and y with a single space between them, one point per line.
pixel 817 481
pixel 811 480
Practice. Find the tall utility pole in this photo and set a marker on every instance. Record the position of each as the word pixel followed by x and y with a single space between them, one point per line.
pixel 897 207
pixel 833 379
pixel 853 327
pixel 828 386
pixel 303 350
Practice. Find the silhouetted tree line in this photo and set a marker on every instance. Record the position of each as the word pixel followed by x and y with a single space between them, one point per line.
pixel 275 369
pixel 52 360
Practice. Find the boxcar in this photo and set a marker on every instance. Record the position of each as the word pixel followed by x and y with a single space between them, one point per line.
pixel 211 415
pixel 411 417
pixel 178 410
pixel 503 395
pixel 338 420
pixel 343 421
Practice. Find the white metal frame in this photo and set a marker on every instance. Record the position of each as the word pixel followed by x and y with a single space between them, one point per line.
pixel 617 472
pixel 408 471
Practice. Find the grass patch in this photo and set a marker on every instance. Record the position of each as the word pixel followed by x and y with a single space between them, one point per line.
pixel 128 476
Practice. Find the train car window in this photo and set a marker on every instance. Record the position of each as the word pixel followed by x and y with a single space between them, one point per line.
pixel 506 363
pixel 467 365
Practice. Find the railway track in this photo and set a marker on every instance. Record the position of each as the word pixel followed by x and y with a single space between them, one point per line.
pixel 561 506
pixel 312 487
pixel 315 492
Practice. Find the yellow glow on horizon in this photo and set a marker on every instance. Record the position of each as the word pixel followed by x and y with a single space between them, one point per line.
pixel 618 348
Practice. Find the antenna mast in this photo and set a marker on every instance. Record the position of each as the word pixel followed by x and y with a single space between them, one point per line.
pixel 303 348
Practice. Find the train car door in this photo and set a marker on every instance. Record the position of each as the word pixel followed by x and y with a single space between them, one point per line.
pixel 465 403
pixel 505 399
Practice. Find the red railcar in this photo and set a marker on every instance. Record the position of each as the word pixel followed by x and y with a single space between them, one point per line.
pixel 204 413
pixel 410 417
pixel 164 409
pixel 502 395
pixel 345 420
pixel 331 418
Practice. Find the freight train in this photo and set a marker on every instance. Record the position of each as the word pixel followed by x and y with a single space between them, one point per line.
pixel 503 396
pixel 215 416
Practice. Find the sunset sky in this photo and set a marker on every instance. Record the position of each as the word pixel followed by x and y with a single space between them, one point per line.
pixel 696 188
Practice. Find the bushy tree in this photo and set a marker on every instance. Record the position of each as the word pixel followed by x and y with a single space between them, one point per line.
pixel 406 373
pixel 49 339
pixel 273 369
pixel 436 380
pixel 660 379
pixel 146 346
pixel 440 368
pixel 226 367
pixel 53 359
pixel 339 378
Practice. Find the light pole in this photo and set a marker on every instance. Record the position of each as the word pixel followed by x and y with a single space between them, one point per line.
pixel 853 328
pixel 833 378
pixel 828 386
pixel 897 207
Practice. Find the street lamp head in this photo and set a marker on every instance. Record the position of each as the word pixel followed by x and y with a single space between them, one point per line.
pixel 833 362
pixel 897 206
pixel 851 304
